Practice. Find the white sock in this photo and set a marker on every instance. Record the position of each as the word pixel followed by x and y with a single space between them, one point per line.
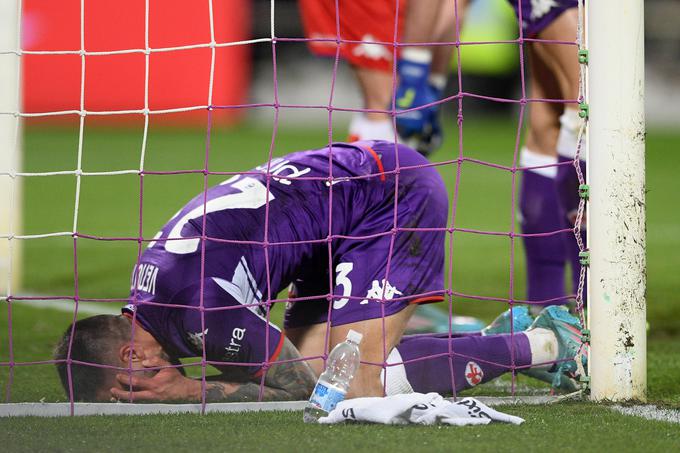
pixel 529 158
pixel 438 81
pixel 544 348
pixel 397 382
pixel 420 55
pixel 361 128
pixel 567 141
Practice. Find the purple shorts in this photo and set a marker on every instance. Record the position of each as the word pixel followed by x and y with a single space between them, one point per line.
pixel 536 18
pixel 377 272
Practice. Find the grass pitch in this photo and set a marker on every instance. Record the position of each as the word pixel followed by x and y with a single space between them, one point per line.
pixel 566 427
pixel 110 207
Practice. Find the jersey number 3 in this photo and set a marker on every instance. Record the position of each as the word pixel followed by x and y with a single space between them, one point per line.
pixel 341 279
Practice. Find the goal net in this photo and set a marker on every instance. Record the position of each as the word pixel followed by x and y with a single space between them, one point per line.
pixel 108 166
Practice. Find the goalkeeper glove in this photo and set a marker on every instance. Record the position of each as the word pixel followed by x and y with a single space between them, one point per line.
pixel 431 136
pixel 419 128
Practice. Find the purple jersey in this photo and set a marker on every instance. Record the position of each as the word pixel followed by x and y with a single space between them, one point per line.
pixel 536 15
pixel 205 280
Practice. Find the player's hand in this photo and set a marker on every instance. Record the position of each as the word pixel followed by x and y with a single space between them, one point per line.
pixel 431 136
pixel 421 129
pixel 418 128
pixel 413 91
pixel 168 384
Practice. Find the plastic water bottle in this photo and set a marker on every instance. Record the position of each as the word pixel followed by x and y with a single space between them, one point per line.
pixel 332 386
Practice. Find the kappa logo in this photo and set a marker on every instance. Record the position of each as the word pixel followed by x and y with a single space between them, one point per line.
pixel 244 288
pixel 381 289
pixel 473 373
pixel 372 51
pixel 540 8
pixel 196 339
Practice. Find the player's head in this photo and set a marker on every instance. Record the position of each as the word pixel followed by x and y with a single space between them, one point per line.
pixel 101 339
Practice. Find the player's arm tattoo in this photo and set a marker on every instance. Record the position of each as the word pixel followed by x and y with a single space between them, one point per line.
pixel 288 381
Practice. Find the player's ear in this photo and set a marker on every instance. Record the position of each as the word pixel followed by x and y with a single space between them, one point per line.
pixel 129 352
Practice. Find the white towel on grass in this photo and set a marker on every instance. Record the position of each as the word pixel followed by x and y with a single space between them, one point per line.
pixel 417 408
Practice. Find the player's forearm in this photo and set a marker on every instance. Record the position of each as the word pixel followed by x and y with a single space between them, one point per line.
pixel 289 380
pixel 226 392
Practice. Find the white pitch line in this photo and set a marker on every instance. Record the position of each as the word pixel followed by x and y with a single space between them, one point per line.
pixel 64 409
pixel 85 308
pixel 650 412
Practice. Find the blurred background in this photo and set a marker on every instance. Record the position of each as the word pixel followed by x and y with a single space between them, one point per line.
pixel 243 74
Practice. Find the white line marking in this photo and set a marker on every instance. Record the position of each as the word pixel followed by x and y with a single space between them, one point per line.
pixel 650 412
pixel 85 308
pixel 64 409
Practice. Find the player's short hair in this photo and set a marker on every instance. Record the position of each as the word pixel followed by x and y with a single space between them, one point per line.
pixel 95 340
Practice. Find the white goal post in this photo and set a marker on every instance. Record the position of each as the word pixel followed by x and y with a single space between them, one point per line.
pixel 616 209
pixel 10 146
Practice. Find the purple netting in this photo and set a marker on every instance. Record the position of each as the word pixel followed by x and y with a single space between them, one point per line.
pixel 453 166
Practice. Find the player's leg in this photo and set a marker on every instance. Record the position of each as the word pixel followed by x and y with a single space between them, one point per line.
pixel 445 31
pixel 372 63
pixel 362 26
pixel 539 207
pixel 310 340
pixel 563 64
pixel 380 336
pixel 450 13
pixel 436 363
pixel 376 91
pixel 561 59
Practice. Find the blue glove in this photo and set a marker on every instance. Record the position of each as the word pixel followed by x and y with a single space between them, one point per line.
pixel 432 136
pixel 418 128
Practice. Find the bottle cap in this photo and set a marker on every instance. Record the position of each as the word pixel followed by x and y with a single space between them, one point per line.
pixel 354 336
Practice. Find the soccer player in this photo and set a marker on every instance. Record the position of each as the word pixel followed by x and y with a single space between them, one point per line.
pixel 358 229
pixel 549 195
pixel 370 29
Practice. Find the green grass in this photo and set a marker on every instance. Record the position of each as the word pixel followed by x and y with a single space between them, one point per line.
pixel 109 206
pixel 565 427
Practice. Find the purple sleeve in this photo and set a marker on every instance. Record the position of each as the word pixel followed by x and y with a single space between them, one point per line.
pixel 234 332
